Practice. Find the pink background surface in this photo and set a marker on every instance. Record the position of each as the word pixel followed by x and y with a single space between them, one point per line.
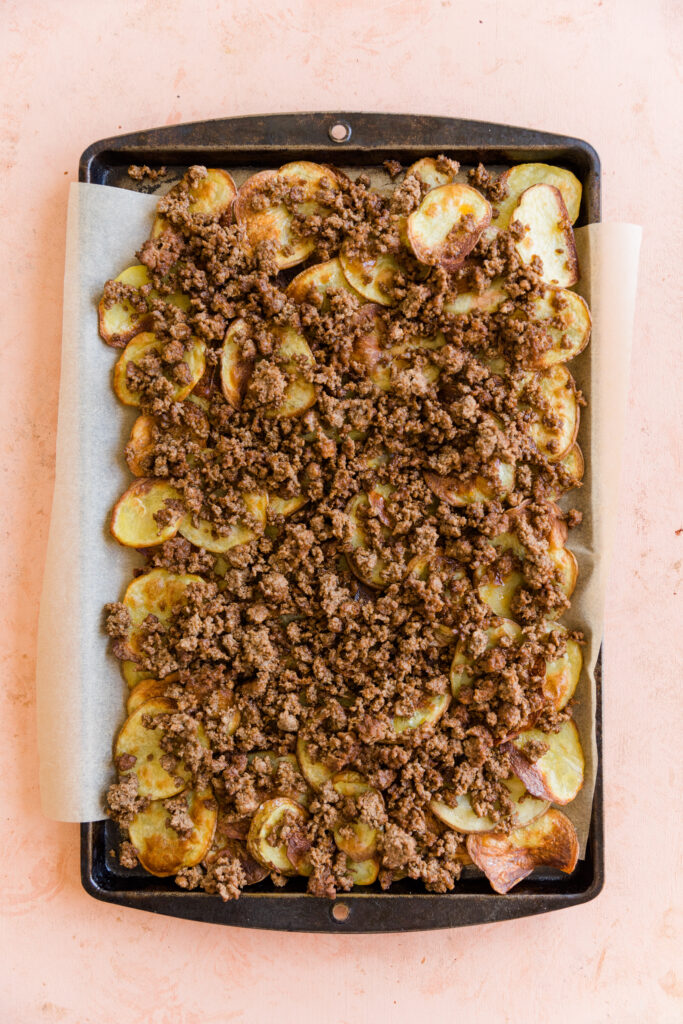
pixel 605 71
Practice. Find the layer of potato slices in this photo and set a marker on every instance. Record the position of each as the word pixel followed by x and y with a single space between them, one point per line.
pixel 447 225
pixel 140 740
pixel 264 841
pixel 161 850
pixel 121 321
pixel 159 593
pixel 558 774
pixel 265 220
pixel 381 361
pixel 204 534
pixel 427 713
pixel 136 521
pixel 462 817
pixel 373 275
pixel 212 197
pixel 550 841
pixel 548 234
pixel 313 284
pixel 373 576
pixel 572 463
pixel 521 177
pixel 147 345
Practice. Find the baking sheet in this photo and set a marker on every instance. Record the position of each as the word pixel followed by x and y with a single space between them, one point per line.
pixel 80 690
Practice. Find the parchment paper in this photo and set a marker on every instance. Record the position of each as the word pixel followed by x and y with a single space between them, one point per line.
pixel 80 690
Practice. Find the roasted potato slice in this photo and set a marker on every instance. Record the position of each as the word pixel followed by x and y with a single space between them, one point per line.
pixel 140 444
pixel 572 462
pixel 272 222
pixel 566 319
pixel 372 276
pixel 504 628
pixel 463 818
pixel 204 534
pixel 143 744
pixel 521 177
pixel 363 872
pixel 134 519
pixel 315 772
pixel 447 224
pixel 270 817
pixel 465 491
pixel 235 849
pixel 300 394
pixel 548 234
pixel 558 774
pixel 350 783
pixel 380 360
pixel 356 839
pixel 159 593
pixel 487 301
pixel 145 344
pixel 147 689
pixel 359 540
pixel 237 362
pixel 427 170
pixel 556 410
pixel 430 711
pixel 313 284
pixel 562 674
pixel 161 850
pixel 296 785
pixel 550 841
pixel 121 321
pixel 285 506
pixel 212 197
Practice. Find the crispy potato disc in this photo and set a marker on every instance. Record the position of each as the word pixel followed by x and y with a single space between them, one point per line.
pixel 315 772
pixel 463 817
pixel 558 774
pixel 518 179
pixel 359 539
pixel 291 783
pixel 212 196
pixel 285 506
pixel 573 464
pixel 430 710
pixel 372 276
pixel 447 224
pixel 458 491
pixel 550 841
pixel 427 170
pixel 237 362
pixel 349 783
pixel 133 523
pixel 237 850
pixel 203 534
pixel 270 815
pixel 159 593
pixel 144 744
pixel 488 301
pixel 548 235
pixel 504 629
pixel 313 284
pixel 356 839
pixel 380 361
pixel 562 674
pixel 160 849
pixel 556 417
pixel 132 674
pixel 140 445
pixel 566 319
pixel 363 872
pixel 120 322
pixel 143 345
pixel 294 354
pixel 147 689
pixel 274 223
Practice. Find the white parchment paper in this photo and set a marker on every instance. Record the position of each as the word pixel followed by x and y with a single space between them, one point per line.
pixel 80 690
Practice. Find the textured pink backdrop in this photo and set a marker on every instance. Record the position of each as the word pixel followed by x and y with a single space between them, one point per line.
pixel 606 71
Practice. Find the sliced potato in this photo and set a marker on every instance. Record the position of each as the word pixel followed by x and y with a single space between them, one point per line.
pixel 558 774
pixel 550 841
pixel 237 850
pixel 465 491
pixel 274 223
pixel 204 534
pixel 566 319
pixel 430 710
pixel 159 593
pixel 359 538
pixel 488 301
pixel 285 506
pixel 548 234
pixel 556 421
pixel 363 872
pixel 380 360
pixel 427 170
pixel 447 224
pixel 562 674
pixel 133 520
pixel 120 322
pixel 212 196
pixel 350 783
pixel 313 284
pixel 372 276
pixel 236 365
pixel 315 772
pixel 140 445
pixel 356 839
pixel 147 689
pixel 297 790
pixel 462 661
pixel 300 393
pixel 132 674
pixel 142 743
pixel 463 817
pixel 160 849
pixel 521 177
pixel 572 462
pixel 145 344
pixel 271 815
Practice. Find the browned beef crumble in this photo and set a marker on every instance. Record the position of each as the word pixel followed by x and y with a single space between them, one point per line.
pixel 139 172
pixel 281 628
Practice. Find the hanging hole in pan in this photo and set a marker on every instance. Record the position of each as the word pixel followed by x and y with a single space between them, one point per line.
pixel 340 912
pixel 340 131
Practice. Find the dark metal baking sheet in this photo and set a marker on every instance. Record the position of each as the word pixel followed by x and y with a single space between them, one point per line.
pixel 371 139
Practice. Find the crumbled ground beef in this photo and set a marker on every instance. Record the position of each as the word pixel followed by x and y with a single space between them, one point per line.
pixel 286 630
pixel 138 172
